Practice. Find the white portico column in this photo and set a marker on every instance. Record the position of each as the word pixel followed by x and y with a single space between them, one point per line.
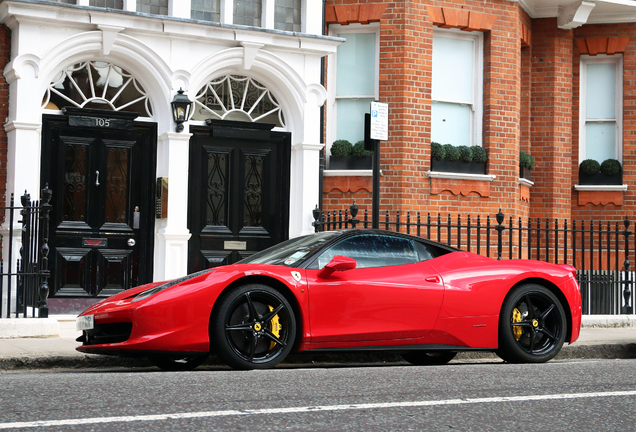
pixel 304 188
pixel 23 130
pixel 172 234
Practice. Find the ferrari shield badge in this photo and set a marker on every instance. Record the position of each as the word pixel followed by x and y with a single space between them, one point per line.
pixel 296 276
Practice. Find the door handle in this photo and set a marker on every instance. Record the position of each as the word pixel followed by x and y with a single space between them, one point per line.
pixel 433 279
pixel 96 178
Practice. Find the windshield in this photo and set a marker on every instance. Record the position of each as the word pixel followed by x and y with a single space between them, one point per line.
pixel 293 252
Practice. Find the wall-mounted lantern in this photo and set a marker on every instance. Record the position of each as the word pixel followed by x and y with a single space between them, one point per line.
pixel 181 106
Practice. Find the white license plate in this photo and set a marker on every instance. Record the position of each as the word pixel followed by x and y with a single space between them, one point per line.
pixel 86 322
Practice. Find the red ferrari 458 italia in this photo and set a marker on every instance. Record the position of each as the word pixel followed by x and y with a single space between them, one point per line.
pixel 342 291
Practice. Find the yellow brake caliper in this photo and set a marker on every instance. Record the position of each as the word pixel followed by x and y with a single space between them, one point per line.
pixel 516 330
pixel 275 328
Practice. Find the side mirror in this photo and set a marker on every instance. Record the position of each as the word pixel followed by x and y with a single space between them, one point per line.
pixel 337 263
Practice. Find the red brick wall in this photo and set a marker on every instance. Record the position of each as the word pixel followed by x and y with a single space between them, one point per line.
pixel 405 83
pixel 610 212
pixel 551 129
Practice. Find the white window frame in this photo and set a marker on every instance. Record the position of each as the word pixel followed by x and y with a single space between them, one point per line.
pixel 618 109
pixel 332 114
pixel 476 120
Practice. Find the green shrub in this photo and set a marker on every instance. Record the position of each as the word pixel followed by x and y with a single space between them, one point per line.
pixel 359 150
pixel 610 167
pixel 341 148
pixel 437 151
pixel 465 153
pixel 526 160
pixel 479 154
pixel 590 167
pixel 452 152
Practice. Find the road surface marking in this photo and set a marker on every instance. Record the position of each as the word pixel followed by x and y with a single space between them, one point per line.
pixel 310 409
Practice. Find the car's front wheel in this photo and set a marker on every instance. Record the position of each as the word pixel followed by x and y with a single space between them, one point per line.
pixel 532 325
pixel 254 327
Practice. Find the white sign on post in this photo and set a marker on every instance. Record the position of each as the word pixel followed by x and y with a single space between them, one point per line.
pixel 379 121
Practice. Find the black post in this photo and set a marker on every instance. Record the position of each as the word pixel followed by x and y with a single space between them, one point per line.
pixel 43 310
pixel 499 228
pixel 627 292
pixel 374 146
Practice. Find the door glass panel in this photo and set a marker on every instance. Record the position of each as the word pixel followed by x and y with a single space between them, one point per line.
pixel 253 191
pixel 117 184
pixel 75 158
pixel 217 189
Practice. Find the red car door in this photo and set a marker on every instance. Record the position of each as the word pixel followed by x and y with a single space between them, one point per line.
pixel 377 302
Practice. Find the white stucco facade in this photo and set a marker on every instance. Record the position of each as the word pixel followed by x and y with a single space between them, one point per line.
pixel 165 54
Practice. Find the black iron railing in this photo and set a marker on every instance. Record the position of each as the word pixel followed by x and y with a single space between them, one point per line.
pixel 599 251
pixel 24 285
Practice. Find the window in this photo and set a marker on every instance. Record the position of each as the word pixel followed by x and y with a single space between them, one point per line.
pixel 456 110
pixel 155 7
pixel 373 251
pixel 112 4
pixel 206 10
pixel 287 15
pixel 248 12
pixel 354 74
pixel 600 110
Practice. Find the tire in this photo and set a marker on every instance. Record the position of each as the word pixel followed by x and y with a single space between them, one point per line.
pixel 254 327
pixel 532 325
pixel 428 358
pixel 185 363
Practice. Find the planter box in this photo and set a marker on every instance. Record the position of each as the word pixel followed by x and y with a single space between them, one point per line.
pixel 351 162
pixel 458 166
pixel 525 173
pixel 600 179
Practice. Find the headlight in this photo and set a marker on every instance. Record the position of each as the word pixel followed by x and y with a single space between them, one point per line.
pixel 154 290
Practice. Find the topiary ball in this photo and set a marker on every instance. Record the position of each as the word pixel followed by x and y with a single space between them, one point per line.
pixel 452 152
pixel 359 150
pixel 341 148
pixel 526 160
pixel 465 153
pixel 437 151
pixel 589 167
pixel 479 154
pixel 610 167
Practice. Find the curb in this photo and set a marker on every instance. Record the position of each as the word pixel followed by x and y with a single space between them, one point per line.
pixel 94 361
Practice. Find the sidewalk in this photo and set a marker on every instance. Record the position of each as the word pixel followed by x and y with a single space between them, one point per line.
pixel 601 337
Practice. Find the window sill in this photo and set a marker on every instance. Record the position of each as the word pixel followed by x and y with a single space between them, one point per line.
pixel 460 176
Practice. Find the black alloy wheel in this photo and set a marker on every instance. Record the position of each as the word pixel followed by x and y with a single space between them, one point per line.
pixel 185 363
pixel 254 327
pixel 428 358
pixel 532 325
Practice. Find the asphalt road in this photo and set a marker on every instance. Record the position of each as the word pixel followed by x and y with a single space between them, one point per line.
pixel 595 395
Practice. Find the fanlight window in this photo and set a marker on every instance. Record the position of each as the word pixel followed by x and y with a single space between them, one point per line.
pixel 97 85
pixel 239 98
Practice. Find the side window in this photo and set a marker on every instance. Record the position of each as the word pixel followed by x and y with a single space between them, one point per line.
pixel 373 251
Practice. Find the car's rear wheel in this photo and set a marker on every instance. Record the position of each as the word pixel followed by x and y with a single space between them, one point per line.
pixel 184 363
pixel 254 327
pixel 428 358
pixel 532 325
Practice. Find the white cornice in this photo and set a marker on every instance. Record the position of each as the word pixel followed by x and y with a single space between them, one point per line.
pixel 45 13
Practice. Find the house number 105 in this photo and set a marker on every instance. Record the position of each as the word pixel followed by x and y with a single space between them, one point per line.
pixel 102 122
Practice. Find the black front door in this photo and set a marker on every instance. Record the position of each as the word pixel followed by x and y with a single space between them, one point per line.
pixel 239 191
pixel 100 166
